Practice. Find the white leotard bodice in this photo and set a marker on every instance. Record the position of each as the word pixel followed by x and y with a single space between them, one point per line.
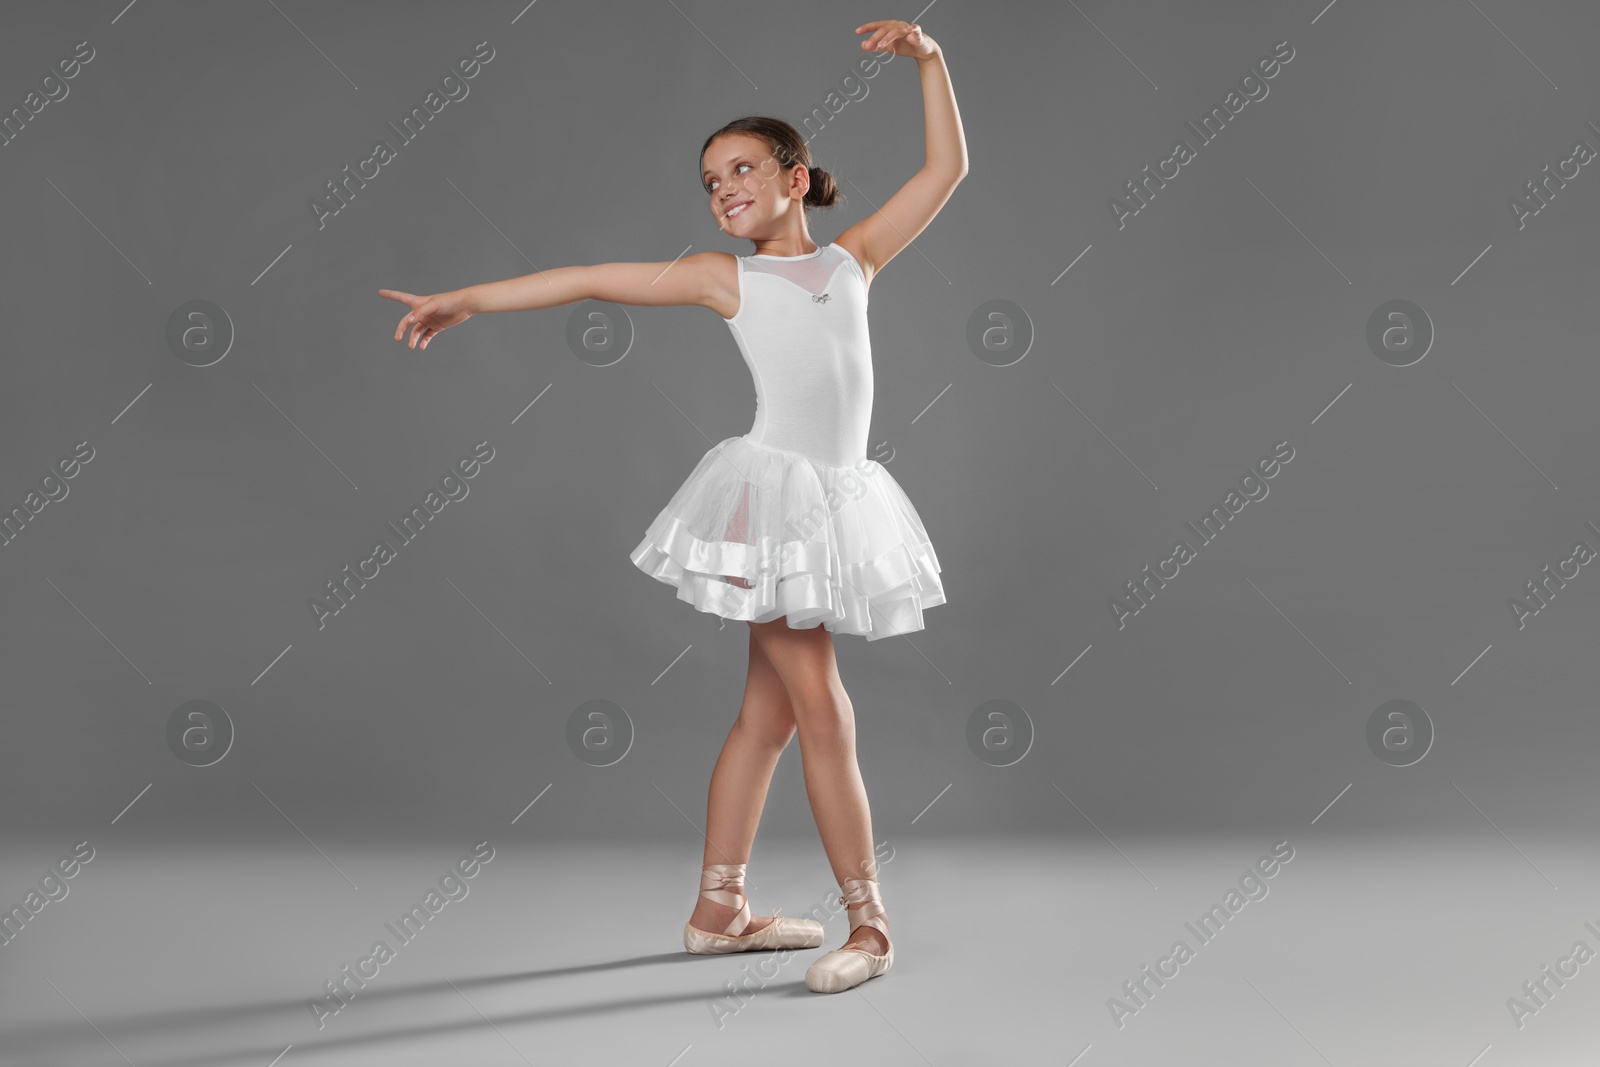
pixel 802 329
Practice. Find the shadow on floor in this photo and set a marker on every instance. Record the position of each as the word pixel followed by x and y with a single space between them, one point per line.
pixel 183 1025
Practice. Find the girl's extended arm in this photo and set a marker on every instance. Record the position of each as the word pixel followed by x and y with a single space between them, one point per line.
pixel 883 234
pixel 655 284
pixel 690 280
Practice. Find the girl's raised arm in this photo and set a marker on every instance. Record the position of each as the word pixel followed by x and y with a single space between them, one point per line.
pixel 882 235
pixel 691 280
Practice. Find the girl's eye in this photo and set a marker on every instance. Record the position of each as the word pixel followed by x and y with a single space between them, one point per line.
pixel 711 186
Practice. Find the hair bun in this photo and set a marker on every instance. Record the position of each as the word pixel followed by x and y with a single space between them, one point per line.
pixel 824 191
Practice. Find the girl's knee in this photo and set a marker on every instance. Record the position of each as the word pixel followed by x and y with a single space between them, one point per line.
pixel 770 722
pixel 769 733
pixel 826 718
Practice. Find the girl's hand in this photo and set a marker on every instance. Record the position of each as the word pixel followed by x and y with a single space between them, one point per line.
pixel 429 314
pixel 901 38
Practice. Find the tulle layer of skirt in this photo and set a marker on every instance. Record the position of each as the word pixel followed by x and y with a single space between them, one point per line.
pixel 757 533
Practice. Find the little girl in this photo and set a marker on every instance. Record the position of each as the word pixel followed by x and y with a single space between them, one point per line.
pixel 790 527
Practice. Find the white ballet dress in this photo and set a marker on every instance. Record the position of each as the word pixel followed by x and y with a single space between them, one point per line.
pixel 792 519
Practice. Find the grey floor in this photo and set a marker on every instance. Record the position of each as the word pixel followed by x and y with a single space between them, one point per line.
pixel 1362 951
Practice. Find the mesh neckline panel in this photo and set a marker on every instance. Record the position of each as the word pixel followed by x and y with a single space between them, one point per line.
pixel 806 255
pixel 810 272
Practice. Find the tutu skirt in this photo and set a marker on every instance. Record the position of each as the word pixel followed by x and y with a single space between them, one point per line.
pixel 757 533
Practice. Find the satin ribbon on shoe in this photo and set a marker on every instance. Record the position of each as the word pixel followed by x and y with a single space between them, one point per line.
pixel 720 883
pixel 845 968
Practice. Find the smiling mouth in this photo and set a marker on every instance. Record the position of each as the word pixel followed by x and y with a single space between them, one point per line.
pixel 736 210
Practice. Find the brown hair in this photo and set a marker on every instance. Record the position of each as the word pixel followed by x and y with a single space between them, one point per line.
pixel 790 149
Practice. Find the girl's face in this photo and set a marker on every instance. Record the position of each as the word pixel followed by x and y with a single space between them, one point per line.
pixel 748 190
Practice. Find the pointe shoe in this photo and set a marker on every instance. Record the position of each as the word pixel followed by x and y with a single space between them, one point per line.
pixel 721 883
pixel 846 968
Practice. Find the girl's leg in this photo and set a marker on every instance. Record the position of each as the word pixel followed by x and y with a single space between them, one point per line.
pixel 825 719
pixel 739 782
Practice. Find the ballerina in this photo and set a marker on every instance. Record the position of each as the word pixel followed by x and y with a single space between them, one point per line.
pixel 789 527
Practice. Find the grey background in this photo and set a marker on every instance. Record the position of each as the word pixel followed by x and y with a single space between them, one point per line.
pixel 1183 346
pixel 1195 338
pixel 1228 315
